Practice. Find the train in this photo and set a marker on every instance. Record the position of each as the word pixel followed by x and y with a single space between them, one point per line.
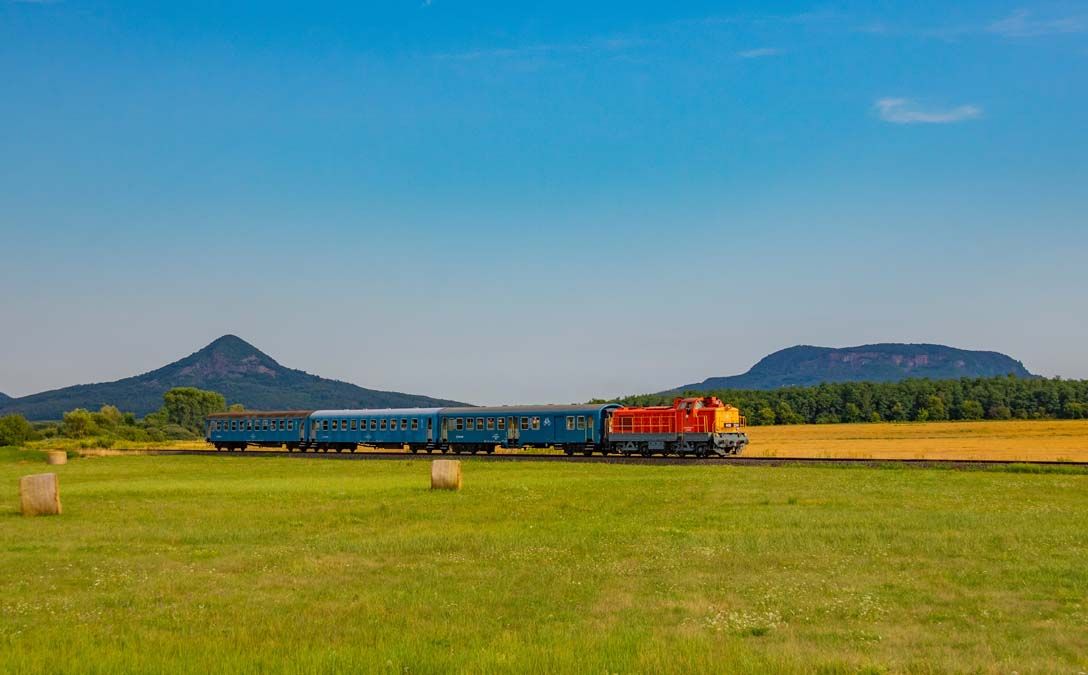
pixel 697 427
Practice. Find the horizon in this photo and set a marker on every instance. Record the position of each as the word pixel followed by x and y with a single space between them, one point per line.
pixel 665 389
pixel 490 203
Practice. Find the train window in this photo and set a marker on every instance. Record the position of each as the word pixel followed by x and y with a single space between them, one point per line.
pixel 382 424
pixel 373 425
pixel 415 424
pixel 570 423
pixel 536 424
pixel 581 422
pixel 502 422
pixel 490 423
pixel 524 423
pixel 324 425
pixel 354 425
pixel 589 422
pixel 469 424
pixel 480 423
pixel 290 425
pixel 459 424
pixel 343 425
pixel 430 423
pixel 232 425
pixel 403 423
pixel 393 424
pixel 264 425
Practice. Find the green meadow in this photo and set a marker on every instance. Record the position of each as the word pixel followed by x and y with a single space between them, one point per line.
pixel 270 564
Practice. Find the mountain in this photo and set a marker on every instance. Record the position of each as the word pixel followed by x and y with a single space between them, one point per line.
pixel 4 398
pixel 805 365
pixel 230 366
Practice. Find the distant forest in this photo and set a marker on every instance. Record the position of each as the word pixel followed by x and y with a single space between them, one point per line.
pixel 996 398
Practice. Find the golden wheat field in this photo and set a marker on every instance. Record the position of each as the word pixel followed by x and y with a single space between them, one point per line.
pixel 1035 440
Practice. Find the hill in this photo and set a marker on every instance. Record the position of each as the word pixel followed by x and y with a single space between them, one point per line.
pixel 230 366
pixel 806 365
pixel 4 398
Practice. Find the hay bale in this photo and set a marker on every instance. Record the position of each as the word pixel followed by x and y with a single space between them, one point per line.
pixel 56 457
pixel 39 494
pixel 446 474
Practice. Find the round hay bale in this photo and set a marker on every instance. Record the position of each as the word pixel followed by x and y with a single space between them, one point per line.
pixel 446 474
pixel 39 494
pixel 56 457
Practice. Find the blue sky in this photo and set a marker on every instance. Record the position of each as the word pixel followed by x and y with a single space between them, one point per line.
pixel 500 202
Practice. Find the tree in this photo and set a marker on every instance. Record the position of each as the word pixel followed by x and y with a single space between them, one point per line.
pixel 764 416
pixel 971 410
pixel 77 424
pixel 15 430
pixel 935 408
pixel 188 406
pixel 853 413
pixel 786 415
pixel 238 407
pixel 898 412
pixel 1071 410
pixel 108 417
pixel 1000 412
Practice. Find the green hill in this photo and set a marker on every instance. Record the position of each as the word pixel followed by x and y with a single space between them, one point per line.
pixel 806 365
pixel 230 366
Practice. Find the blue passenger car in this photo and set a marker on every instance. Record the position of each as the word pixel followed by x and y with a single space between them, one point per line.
pixel 340 430
pixel 235 431
pixel 574 428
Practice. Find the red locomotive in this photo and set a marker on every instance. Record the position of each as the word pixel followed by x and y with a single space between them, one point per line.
pixel 691 426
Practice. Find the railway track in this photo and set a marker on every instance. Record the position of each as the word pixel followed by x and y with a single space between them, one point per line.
pixel 617 459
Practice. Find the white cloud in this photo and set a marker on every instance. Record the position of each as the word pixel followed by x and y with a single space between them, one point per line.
pixel 759 53
pixel 1022 24
pixel 904 111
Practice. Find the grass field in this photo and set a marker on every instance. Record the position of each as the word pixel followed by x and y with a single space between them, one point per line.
pixel 258 564
pixel 1060 440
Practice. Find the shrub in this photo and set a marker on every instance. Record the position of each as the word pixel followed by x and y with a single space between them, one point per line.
pixel 15 430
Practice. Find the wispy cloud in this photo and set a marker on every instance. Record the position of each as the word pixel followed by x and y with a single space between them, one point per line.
pixel 1022 24
pixel 759 53
pixel 904 111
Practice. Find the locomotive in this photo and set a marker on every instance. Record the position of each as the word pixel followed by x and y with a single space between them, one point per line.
pixel 698 427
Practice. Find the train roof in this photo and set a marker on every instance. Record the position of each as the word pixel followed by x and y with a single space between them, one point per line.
pixel 548 408
pixel 264 413
pixel 375 411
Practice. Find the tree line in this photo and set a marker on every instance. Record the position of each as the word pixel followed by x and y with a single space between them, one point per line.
pixel 995 398
pixel 181 417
